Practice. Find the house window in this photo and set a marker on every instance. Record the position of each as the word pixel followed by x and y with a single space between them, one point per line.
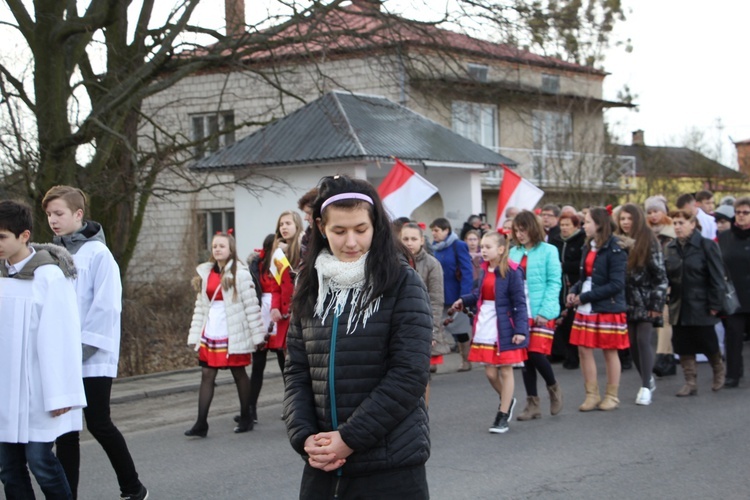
pixel 478 72
pixel 553 130
pixel 553 142
pixel 212 131
pixel 550 83
pixel 475 121
pixel 210 223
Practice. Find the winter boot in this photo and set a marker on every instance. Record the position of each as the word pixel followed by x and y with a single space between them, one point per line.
pixel 687 361
pixel 610 401
pixel 555 398
pixel 592 397
pixel 717 365
pixel 532 409
pixel 463 348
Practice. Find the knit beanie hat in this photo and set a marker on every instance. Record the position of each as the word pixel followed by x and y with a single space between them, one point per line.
pixel 657 202
pixel 724 212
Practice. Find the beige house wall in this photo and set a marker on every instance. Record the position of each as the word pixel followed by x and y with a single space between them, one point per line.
pixel 170 221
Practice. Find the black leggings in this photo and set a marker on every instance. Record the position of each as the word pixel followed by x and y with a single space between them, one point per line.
pixel 256 373
pixel 641 333
pixel 537 362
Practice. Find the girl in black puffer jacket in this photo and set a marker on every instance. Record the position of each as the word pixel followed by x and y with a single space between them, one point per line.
pixel 358 354
pixel 645 294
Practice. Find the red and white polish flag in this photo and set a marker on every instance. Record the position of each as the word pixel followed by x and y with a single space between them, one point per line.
pixel 403 190
pixel 515 191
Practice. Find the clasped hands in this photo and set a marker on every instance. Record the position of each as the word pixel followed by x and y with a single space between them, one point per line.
pixel 326 450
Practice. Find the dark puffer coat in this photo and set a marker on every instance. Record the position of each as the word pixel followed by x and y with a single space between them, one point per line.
pixel 510 305
pixel 696 280
pixel 646 288
pixel 735 250
pixel 607 293
pixel 379 372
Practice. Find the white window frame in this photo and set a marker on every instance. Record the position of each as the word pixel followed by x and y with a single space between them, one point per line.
pixel 478 72
pixel 211 131
pixel 476 121
pixel 553 139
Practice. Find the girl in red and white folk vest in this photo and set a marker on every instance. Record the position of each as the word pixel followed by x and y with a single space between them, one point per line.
pixel 501 328
pixel 226 328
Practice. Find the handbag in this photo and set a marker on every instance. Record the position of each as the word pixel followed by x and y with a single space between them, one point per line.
pixel 443 343
pixel 730 304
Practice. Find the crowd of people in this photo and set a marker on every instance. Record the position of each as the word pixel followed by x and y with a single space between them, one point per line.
pixel 359 310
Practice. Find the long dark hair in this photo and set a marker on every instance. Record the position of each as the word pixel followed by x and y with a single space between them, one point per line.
pixel 645 241
pixel 383 264
pixel 265 262
pixel 604 225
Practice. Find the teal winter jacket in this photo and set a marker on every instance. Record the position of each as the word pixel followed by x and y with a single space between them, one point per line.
pixel 543 277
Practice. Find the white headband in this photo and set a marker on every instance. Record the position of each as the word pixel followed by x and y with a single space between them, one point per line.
pixel 346 196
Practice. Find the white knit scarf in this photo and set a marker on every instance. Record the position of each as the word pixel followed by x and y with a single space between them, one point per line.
pixel 339 278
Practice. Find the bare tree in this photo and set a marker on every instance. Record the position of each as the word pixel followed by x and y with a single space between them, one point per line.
pixel 92 67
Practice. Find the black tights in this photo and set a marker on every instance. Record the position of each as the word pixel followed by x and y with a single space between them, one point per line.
pixel 537 362
pixel 640 334
pixel 206 392
pixel 256 373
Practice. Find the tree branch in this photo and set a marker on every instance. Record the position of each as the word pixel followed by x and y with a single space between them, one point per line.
pixel 18 85
pixel 25 24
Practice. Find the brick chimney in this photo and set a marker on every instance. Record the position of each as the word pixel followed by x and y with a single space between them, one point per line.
pixel 743 155
pixel 234 14
pixel 365 5
pixel 638 138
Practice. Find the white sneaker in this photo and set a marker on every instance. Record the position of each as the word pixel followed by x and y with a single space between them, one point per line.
pixel 652 385
pixel 644 397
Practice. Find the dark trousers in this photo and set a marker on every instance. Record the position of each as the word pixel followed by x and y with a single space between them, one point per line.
pixel 561 345
pixel 99 424
pixel 404 483
pixel 735 327
pixel 43 464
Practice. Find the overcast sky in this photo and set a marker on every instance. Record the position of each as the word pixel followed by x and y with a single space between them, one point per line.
pixel 688 67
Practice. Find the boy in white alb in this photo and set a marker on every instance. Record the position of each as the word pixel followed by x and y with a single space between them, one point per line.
pixel 99 292
pixel 40 361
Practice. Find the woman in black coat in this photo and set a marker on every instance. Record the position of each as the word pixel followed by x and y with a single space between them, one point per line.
pixel 358 354
pixel 570 247
pixel 696 279
pixel 735 249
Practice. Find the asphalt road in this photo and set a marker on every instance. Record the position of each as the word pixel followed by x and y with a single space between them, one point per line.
pixel 681 448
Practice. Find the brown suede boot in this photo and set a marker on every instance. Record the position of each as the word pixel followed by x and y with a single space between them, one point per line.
pixel 717 365
pixel 610 401
pixel 532 409
pixel 689 369
pixel 555 398
pixel 592 397
pixel 463 348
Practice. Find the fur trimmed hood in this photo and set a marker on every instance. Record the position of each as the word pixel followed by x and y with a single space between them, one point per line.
pixel 46 254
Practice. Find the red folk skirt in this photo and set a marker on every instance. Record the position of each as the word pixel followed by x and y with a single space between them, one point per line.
pixel 489 354
pixel 213 354
pixel 540 337
pixel 600 331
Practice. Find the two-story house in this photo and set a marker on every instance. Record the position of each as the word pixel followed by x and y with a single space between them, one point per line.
pixel 542 112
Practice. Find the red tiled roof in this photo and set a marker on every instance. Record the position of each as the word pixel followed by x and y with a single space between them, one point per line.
pixel 354 28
